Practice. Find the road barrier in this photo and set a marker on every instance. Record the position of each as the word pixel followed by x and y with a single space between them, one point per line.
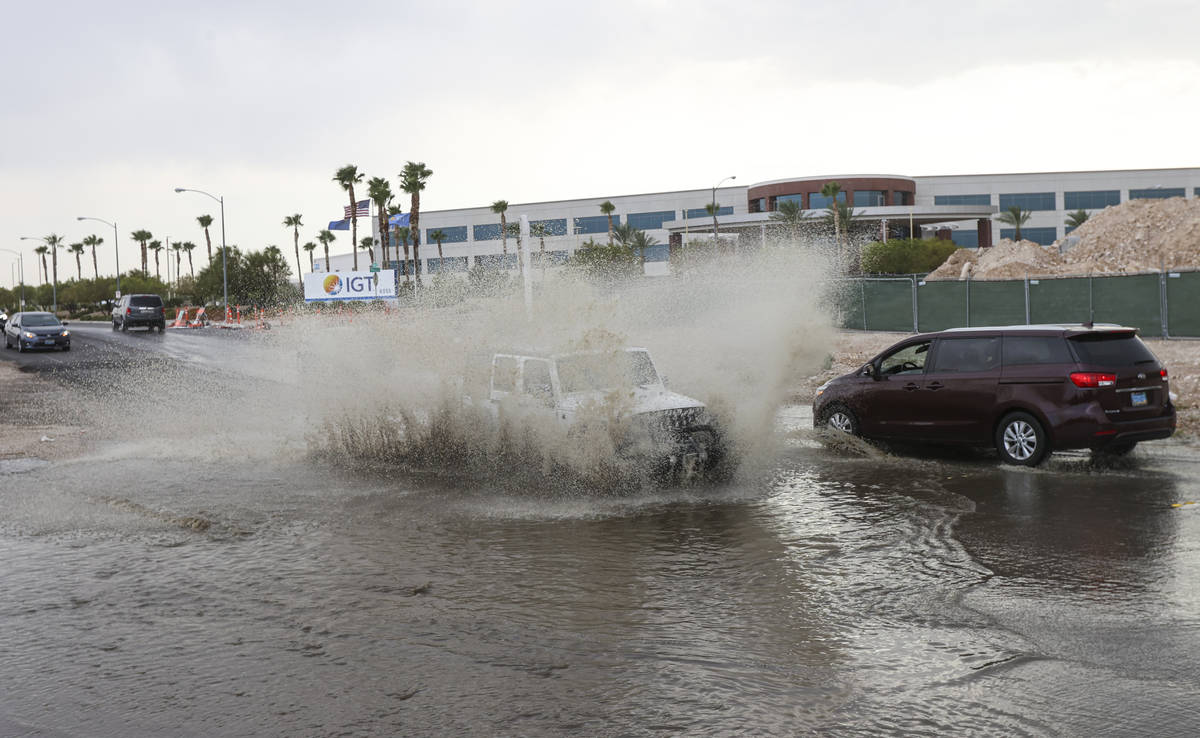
pixel 1159 304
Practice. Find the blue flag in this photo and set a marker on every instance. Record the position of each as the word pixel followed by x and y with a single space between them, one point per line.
pixel 399 219
pixel 339 225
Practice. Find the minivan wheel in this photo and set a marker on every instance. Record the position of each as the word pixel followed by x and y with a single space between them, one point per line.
pixel 1021 440
pixel 840 418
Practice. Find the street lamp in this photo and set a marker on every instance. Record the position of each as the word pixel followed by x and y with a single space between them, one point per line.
pixel 116 251
pixel 714 203
pixel 21 258
pixel 54 291
pixel 224 268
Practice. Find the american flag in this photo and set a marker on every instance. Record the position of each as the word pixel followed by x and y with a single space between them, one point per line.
pixel 363 208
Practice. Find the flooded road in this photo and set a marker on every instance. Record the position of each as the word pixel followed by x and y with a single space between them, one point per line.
pixel 825 592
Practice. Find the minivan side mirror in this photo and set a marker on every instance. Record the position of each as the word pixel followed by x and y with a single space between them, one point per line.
pixel 65 323
pixel 869 371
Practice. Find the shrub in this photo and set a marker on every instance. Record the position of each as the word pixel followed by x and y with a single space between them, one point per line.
pixel 906 255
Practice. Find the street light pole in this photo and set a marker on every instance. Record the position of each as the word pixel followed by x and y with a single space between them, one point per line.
pixel 54 289
pixel 116 251
pixel 224 263
pixel 21 259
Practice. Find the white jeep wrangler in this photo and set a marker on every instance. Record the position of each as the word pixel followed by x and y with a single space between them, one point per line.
pixel 671 434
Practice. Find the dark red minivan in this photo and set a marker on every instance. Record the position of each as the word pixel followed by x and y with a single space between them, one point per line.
pixel 1027 390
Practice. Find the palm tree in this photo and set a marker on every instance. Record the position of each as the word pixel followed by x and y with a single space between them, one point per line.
pixel 439 235
pixel 393 210
pixel 712 209
pixel 42 251
pixel 177 247
pixel 540 231
pixel 1077 218
pixel 607 208
pixel 500 207
pixel 368 244
pixel 1015 217
pixel 832 190
pixel 624 233
pixel 380 193
pixel 142 237
pixel 54 241
pixel 293 222
pixel 412 181
pixel 402 233
pixel 92 242
pixel 77 249
pixel 790 215
pixel 156 247
pixel 326 238
pixel 347 177
pixel 310 247
pixel 205 221
pixel 642 241
pixel 187 246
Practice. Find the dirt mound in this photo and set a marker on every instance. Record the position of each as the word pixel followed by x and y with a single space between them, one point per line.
pixel 1006 260
pixel 1136 236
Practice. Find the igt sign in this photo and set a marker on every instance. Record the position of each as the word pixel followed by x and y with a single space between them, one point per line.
pixel 330 286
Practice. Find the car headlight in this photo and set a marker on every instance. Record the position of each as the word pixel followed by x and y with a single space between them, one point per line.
pixel 65 333
pixel 27 334
pixel 822 388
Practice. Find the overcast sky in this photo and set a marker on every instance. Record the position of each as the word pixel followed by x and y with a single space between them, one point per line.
pixel 109 106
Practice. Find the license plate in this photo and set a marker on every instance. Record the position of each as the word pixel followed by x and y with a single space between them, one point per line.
pixel 48 340
pixel 1137 399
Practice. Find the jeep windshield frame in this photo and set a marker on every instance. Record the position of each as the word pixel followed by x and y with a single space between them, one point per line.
pixel 597 372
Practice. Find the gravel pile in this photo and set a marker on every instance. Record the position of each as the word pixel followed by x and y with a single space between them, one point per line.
pixel 1006 260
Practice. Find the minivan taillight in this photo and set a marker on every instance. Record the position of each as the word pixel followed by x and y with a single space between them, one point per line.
pixel 1091 380
pixel 1162 373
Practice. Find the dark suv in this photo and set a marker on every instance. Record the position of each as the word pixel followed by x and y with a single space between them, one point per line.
pixel 134 310
pixel 1028 390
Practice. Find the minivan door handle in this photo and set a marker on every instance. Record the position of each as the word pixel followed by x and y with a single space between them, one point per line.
pixel 912 386
pixel 935 386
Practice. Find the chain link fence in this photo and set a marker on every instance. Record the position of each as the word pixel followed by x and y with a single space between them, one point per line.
pixel 1159 304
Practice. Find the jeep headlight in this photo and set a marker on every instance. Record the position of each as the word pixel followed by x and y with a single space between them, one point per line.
pixel 65 333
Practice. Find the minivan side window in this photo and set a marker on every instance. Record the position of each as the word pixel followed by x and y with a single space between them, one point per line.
pixel 967 354
pixel 1026 350
pixel 908 360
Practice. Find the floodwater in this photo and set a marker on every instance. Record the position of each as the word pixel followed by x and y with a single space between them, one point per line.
pixel 214 568
pixel 831 593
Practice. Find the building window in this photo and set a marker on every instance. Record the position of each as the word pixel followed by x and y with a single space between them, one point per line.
pixel 554 226
pixel 595 223
pixel 489 232
pixel 1091 199
pixel 727 210
pixel 650 221
pixel 965 239
pixel 798 199
pixel 1156 193
pixel 1044 236
pixel 658 252
pixel 816 200
pixel 553 258
pixel 496 261
pixel 962 199
pixel 447 264
pixel 902 198
pixel 454 234
pixel 758 205
pixel 868 198
pixel 1028 201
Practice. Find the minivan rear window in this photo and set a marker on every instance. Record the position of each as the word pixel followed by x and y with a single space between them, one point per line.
pixel 1112 349
pixel 1026 350
pixel 145 301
